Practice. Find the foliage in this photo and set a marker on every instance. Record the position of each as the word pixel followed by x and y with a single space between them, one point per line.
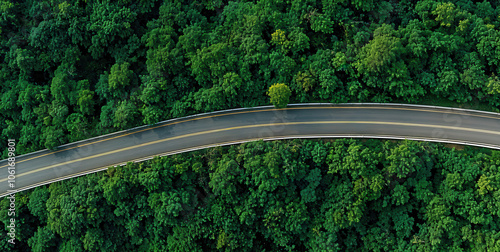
pixel 279 94
pixel 84 68
pixel 70 70
pixel 342 195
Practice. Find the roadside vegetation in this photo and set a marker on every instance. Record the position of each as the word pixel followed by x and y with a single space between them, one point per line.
pixel 295 195
pixel 70 70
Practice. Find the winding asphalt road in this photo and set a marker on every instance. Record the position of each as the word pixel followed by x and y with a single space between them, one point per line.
pixel 236 126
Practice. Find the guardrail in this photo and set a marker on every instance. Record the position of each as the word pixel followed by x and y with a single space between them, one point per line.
pixel 399 104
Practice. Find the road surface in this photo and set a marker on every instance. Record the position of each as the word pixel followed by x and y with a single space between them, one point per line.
pixel 236 126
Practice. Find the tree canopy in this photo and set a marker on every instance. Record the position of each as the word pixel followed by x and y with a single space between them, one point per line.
pixel 103 66
pixel 73 69
pixel 306 195
pixel 279 94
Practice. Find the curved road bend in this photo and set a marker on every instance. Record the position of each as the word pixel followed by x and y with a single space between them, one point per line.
pixel 229 127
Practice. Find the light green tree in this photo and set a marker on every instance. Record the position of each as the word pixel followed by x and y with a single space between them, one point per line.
pixel 280 94
pixel 120 76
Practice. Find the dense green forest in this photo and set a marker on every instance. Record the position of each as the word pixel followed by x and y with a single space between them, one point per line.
pixel 297 195
pixel 70 70
pixel 74 69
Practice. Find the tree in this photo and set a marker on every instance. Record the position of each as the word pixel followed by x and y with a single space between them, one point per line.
pixel 62 85
pixel 224 179
pixel 53 136
pixel 445 14
pixel 77 126
pixel 125 114
pixel 279 94
pixel 211 63
pixel 85 101
pixel 379 52
pixel 109 24
pixel 403 159
pixel 119 78
pixel 43 240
